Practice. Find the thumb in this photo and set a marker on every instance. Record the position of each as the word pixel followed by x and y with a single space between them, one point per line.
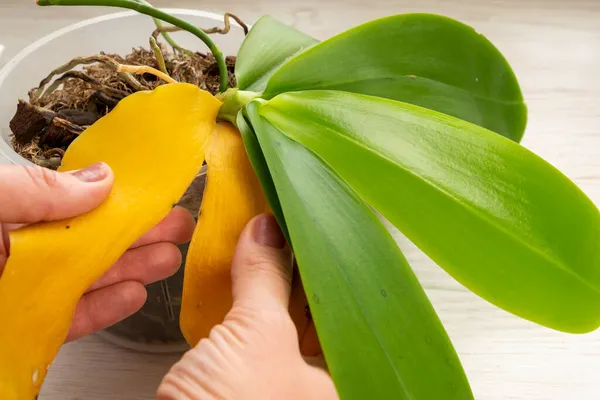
pixel 262 266
pixel 31 194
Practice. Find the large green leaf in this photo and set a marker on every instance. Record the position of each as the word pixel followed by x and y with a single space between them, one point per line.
pixel 268 44
pixel 259 164
pixel 498 218
pixel 423 59
pixel 380 335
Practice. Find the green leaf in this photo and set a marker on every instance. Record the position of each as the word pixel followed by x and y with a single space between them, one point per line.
pixel 422 59
pixel 380 335
pixel 498 218
pixel 259 164
pixel 268 44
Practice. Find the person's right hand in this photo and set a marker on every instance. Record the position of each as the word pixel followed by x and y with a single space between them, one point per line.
pixel 254 353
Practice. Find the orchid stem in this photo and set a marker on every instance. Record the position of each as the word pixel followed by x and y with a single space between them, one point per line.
pixel 145 8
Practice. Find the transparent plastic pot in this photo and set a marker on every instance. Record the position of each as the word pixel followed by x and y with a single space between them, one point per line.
pixel 155 327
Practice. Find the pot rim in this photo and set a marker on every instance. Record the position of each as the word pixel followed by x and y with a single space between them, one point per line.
pixel 6 151
pixel 12 63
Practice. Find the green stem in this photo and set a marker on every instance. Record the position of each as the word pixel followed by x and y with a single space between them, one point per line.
pixel 160 60
pixel 233 101
pixel 144 8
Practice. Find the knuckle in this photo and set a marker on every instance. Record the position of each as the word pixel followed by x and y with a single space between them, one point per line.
pixel 240 318
pixel 262 264
pixel 217 334
pixel 171 388
pixel 246 318
pixel 167 256
pixel 36 179
pixel 196 375
pixel 247 325
pixel 41 177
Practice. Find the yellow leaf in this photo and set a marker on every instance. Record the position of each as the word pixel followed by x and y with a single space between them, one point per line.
pixel 155 143
pixel 233 196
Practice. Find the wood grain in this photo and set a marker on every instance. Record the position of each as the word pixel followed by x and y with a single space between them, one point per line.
pixel 554 47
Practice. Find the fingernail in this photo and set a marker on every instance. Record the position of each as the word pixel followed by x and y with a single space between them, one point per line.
pixel 266 231
pixel 94 173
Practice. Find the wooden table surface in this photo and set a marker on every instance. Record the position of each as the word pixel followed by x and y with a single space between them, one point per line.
pixel 554 47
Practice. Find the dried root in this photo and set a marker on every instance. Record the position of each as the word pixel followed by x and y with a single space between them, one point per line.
pixel 222 31
pixel 76 94
pixel 100 58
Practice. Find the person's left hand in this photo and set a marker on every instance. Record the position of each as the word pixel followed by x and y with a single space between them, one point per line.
pixel 32 194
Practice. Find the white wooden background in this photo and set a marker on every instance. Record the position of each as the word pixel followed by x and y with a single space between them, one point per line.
pixel 554 47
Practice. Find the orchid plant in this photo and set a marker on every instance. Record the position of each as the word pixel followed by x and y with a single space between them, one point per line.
pixel 416 117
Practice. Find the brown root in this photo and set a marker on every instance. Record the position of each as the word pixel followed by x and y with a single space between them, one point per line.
pixel 226 28
pixel 88 79
pixel 57 152
pixel 29 120
pixel 100 58
pixel 60 133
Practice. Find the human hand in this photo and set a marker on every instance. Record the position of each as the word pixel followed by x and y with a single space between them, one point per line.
pixel 31 194
pixel 254 353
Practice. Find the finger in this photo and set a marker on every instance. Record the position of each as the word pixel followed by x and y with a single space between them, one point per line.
pixel 3 246
pixel 31 194
pixel 262 269
pixel 146 265
pixel 177 227
pixel 104 307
